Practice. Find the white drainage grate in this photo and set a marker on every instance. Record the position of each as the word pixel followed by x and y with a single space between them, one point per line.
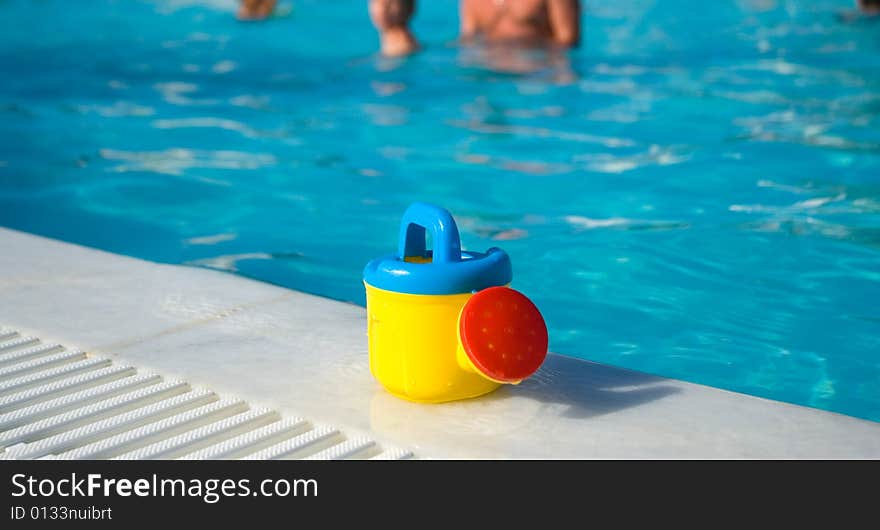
pixel 57 403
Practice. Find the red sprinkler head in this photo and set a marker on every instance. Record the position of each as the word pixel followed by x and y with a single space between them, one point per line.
pixel 503 334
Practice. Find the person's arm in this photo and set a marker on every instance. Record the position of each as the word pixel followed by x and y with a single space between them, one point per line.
pixel 565 21
pixel 467 22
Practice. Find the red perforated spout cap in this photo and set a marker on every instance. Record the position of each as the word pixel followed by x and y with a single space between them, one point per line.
pixel 503 334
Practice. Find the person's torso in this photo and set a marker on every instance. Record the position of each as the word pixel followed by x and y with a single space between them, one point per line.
pixel 511 19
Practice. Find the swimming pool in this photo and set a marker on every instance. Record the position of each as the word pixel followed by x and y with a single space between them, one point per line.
pixel 695 193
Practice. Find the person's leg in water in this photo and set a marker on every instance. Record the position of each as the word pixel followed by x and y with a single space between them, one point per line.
pixel 391 18
pixel 256 9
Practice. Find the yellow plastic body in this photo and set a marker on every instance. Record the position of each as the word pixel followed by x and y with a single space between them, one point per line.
pixel 415 352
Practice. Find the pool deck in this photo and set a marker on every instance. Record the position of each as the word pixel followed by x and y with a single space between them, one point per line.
pixel 306 355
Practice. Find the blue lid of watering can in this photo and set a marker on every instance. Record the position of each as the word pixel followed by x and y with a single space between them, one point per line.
pixel 445 270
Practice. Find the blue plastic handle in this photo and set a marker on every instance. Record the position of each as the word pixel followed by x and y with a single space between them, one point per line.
pixel 418 218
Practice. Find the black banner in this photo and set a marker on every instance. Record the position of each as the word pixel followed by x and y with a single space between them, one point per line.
pixel 48 494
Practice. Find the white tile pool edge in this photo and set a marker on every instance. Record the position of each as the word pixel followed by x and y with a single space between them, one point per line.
pixel 306 356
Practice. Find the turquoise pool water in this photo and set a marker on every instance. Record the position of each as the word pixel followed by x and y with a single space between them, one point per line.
pixel 695 193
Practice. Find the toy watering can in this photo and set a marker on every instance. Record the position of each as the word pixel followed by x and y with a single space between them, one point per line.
pixel 442 324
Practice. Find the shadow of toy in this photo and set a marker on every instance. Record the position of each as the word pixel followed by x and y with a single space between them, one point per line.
pixel 586 388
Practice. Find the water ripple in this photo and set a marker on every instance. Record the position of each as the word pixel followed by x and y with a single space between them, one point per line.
pixel 208 123
pixel 118 110
pixel 541 132
pixel 176 161
pixel 175 93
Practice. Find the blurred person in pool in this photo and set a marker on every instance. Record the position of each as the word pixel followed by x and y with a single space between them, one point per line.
pixel 391 18
pixel 521 22
pixel 870 7
pixel 256 9
pixel 865 11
